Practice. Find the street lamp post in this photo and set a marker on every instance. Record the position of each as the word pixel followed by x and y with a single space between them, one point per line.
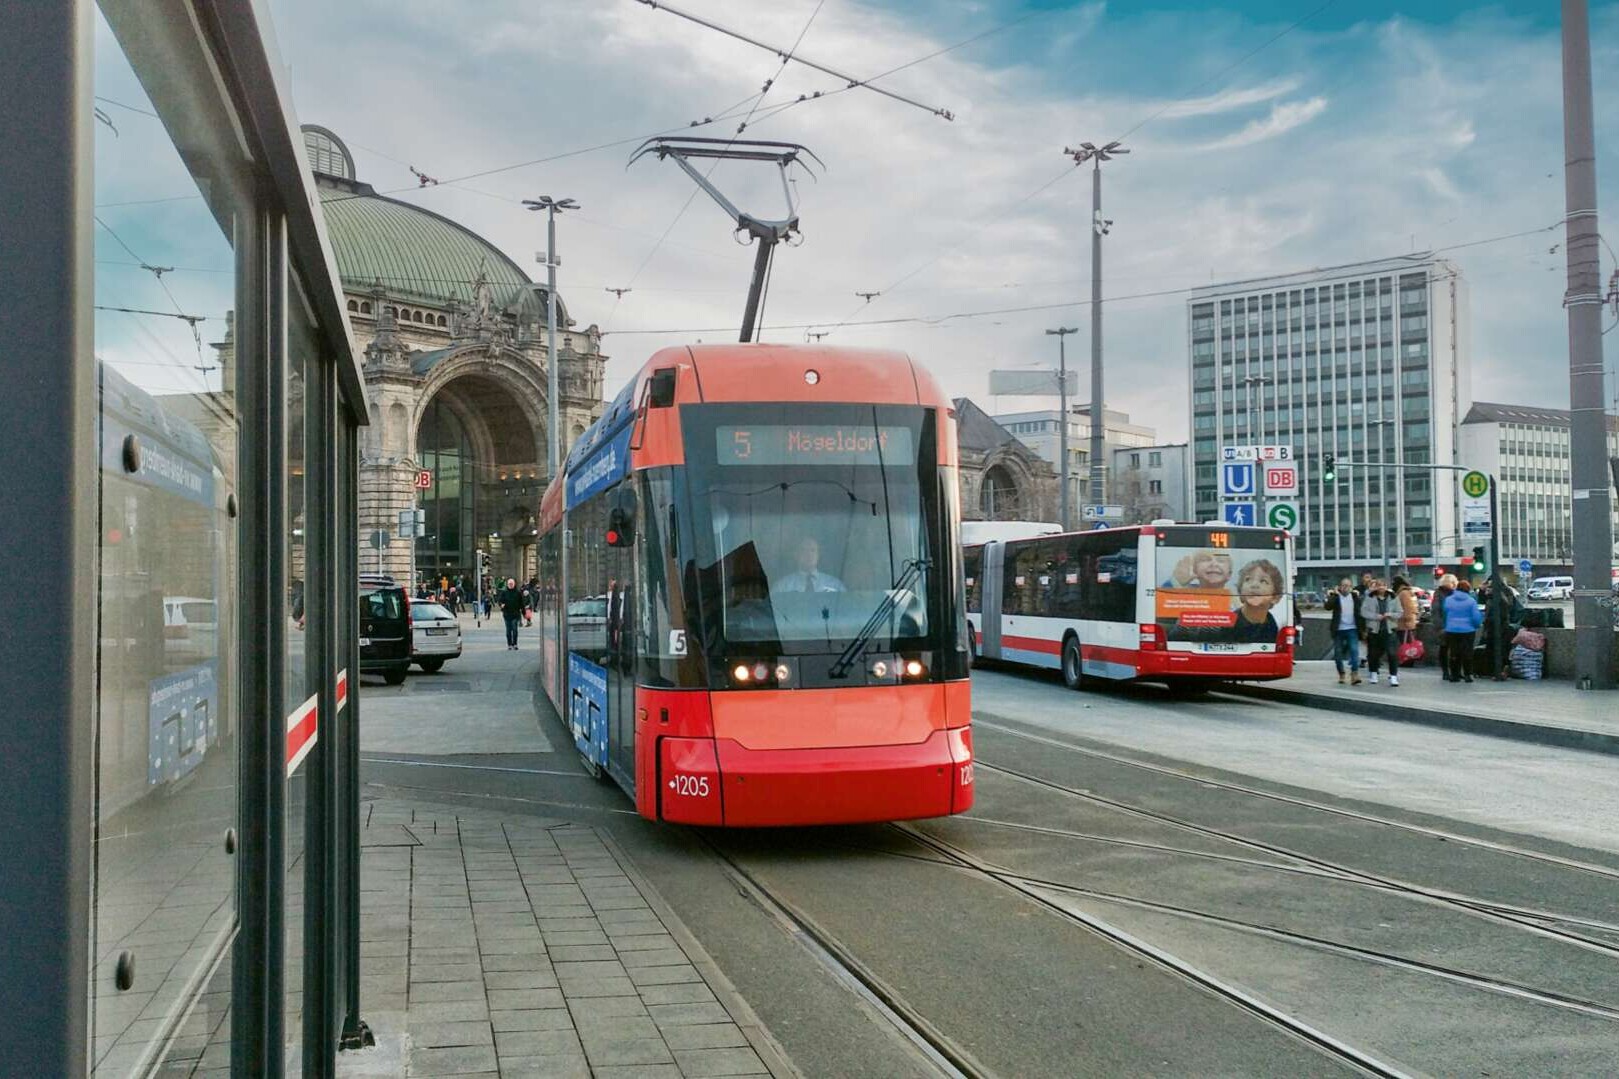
pixel 1062 395
pixel 1382 424
pixel 553 443
pixel 1099 227
pixel 1257 432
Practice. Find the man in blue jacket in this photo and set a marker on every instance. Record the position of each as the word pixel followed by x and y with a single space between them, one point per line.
pixel 1462 616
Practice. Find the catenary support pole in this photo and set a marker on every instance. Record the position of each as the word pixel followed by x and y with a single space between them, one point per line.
pixel 553 451
pixel 1098 495
pixel 1066 500
pixel 1592 521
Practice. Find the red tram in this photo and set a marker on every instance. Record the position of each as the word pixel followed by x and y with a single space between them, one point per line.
pixel 751 590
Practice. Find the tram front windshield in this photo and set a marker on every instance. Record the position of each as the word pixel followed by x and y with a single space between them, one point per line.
pixel 815 525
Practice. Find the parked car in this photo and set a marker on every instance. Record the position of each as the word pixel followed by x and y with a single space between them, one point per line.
pixel 190 626
pixel 435 635
pixel 1551 588
pixel 384 629
pixel 1308 601
pixel 587 624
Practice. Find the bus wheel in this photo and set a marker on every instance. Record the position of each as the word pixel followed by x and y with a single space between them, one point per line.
pixel 1073 670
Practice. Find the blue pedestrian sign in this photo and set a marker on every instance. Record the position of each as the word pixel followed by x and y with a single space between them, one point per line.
pixel 1238 513
pixel 1525 566
pixel 1237 479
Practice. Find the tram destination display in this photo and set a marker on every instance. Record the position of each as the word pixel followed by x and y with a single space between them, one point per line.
pixel 776 445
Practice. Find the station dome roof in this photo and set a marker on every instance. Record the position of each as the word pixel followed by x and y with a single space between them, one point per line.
pixel 412 253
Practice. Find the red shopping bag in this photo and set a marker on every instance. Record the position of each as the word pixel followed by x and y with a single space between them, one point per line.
pixel 1410 650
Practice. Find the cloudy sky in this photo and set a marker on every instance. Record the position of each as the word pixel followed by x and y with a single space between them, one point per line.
pixel 1267 136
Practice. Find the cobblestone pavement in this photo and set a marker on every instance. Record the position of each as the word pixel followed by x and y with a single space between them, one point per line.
pixel 528 947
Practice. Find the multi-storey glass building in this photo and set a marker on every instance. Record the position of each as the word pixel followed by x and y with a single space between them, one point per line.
pixel 1366 362
pixel 1527 448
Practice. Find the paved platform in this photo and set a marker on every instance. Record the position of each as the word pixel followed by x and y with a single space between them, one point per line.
pixel 1545 712
pixel 529 947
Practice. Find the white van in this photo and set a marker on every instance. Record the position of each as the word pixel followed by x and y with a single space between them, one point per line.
pixel 1551 588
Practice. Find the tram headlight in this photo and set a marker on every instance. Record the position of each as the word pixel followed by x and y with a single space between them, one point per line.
pixel 784 674
pixel 761 671
pixel 914 668
pixel 886 668
pixel 742 672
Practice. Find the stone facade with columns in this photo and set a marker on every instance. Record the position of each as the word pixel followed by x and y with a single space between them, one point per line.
pixel 456 366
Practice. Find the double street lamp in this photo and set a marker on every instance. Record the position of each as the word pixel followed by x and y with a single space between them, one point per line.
pixel 1099 227
pixel 553 444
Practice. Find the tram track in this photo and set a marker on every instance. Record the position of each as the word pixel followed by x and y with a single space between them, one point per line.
pixel 1447 835
pixel 1326 1043
pixel 1534 920
pixel 953 855
pixel 945 1056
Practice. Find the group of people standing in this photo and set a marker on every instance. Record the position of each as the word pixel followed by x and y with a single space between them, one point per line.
pixel 1385 614
pixel 1378 612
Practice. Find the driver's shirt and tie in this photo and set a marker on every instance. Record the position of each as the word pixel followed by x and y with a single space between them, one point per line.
pixel 813 581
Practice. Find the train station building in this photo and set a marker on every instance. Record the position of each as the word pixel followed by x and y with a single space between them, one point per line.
pixel 453 344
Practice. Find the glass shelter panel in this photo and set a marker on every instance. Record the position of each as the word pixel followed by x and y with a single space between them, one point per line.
pixel 170 201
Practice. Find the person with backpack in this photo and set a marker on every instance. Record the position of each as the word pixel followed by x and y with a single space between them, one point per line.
pixel 1462 618
pixel 1379 612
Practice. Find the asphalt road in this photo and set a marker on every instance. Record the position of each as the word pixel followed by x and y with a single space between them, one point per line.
pixel 1146 886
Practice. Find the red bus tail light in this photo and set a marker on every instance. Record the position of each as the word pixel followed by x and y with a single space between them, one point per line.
pixel 1152 637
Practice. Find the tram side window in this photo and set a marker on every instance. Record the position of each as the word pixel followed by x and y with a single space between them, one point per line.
pixel 972 560
pixel 587 585
pixel 1108 577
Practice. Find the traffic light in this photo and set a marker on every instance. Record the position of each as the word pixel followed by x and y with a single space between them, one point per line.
pixel 1329 468
pixel 1478 560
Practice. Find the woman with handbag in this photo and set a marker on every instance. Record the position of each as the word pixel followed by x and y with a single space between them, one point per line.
pixel 1409 650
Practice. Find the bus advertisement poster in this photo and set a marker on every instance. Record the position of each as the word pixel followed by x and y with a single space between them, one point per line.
pixel 587 707
pixel 1232 596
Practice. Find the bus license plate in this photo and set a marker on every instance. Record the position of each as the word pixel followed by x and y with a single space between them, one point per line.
pixel 1219 647
pixel 365 642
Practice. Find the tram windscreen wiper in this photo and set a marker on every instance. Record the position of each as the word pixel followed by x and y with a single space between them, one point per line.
pixel 913 570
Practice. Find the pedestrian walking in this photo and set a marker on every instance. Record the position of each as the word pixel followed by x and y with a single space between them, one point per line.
pixel 1344 614
pixel 511 609
pixel 1462 617
pixel 1380 613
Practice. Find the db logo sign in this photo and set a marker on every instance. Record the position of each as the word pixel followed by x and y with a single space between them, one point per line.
pixel 424 480
pixel 1281 479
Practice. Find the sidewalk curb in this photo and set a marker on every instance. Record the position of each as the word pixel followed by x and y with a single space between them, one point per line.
pixel 747 1020
pixel 1494 726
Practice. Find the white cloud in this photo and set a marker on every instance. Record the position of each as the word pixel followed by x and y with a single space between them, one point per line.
pixel 1435 136
pixel 1284 117
pixel 1230 100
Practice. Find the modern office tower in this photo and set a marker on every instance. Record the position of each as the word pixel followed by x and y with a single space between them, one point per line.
pixel 1367 362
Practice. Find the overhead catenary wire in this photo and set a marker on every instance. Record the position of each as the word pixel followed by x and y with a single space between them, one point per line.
pixel 791 54
pixel 1062 305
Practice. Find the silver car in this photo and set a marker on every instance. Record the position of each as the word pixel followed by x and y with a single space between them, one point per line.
pixel 435 635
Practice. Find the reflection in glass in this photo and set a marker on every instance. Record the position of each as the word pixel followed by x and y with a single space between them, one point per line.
pixel 300 683
pixel 167 703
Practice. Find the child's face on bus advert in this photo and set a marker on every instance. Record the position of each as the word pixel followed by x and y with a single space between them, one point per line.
pixel 1211 570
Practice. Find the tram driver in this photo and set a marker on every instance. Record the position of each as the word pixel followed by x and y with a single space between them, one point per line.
pixel 808 577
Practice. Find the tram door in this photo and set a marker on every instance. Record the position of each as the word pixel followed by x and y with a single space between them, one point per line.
pixel 621 603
